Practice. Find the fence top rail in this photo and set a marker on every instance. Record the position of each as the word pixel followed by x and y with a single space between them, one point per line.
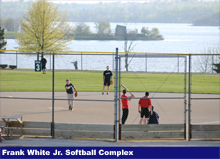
pixel 89 100
pixel 32 53
pixel 153 56
pixel 204 98
pixel 97 100
pixel 99 52
pixel 152 98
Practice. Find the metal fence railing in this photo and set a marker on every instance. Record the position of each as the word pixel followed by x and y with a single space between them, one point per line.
pixel 49 102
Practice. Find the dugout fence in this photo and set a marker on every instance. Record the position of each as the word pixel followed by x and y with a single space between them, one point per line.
pixel 177 128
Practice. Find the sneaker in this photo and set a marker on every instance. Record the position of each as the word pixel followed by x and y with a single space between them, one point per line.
pixel 107 93
pixel 69 107
pixel 102 93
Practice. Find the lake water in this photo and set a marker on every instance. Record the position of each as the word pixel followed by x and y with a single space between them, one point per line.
pixel 179 38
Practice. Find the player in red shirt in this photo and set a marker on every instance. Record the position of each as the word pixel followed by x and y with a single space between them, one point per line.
pixel 143 108
pixel 125 106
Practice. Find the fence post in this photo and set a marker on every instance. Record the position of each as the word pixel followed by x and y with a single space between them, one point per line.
pixel 81 62
pixel 16 60
pixel 113 64
pixel 119 92
pixel 116 96
pixel 189 101
pixel 178 64
pixel 185 101
pixel 145 62
pixel 52 124
pixel 50 61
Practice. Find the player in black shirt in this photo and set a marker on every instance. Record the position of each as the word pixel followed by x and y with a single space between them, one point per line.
pixel 43 65
pixel 70 93
pixel 107 77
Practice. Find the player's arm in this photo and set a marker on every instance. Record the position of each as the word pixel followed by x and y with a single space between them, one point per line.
pixel 158 118
pixel 103 78
pixel 151 111
pixel 139 108
pixel 129 98
pixel 74 88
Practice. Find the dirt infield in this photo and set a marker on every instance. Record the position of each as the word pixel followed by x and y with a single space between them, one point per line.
pixel 171 111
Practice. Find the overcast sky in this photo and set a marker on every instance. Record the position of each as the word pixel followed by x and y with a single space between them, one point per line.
pixel 97 1
pixel 92 1
pixel 85 1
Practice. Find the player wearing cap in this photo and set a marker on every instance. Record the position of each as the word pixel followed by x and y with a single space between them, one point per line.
pixel 70 93
pixel 125 105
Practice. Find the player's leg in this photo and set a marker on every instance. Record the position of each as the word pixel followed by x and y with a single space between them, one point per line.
pixel 142 116
pixel 140 122
pixel 145 120
pixel 124 115
pixel 107 89
pixel 103 88
pixel 43 68
pixel 108 86
pixel 146 114
pixel 69 100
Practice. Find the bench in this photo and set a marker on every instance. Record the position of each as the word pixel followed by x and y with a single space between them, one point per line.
pixel 12 66
pixel 3 66
pixel 12 122
pixel 10 130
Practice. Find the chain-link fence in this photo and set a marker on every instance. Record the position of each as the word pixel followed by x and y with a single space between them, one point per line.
pixel 29 93
pixel 169 107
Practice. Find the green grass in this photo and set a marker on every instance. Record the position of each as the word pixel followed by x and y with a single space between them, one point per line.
pixel 10 34
pixel 21 80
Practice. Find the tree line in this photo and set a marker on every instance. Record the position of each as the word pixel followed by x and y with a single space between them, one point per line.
pixel 200 13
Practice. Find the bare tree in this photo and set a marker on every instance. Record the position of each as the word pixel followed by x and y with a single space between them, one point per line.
pixel 204 63
pixel 129 45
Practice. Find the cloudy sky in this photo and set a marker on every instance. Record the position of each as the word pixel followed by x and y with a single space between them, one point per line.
pixel 85 1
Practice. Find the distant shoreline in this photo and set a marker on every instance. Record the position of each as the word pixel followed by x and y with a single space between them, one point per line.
pixel 11 35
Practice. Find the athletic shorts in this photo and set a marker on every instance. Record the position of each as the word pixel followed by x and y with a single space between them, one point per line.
pixel 144 112
pixel 107 83
pixel 43 66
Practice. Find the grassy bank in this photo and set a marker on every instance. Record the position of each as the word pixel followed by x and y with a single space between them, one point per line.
pixel 92 81
pixel 10 35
